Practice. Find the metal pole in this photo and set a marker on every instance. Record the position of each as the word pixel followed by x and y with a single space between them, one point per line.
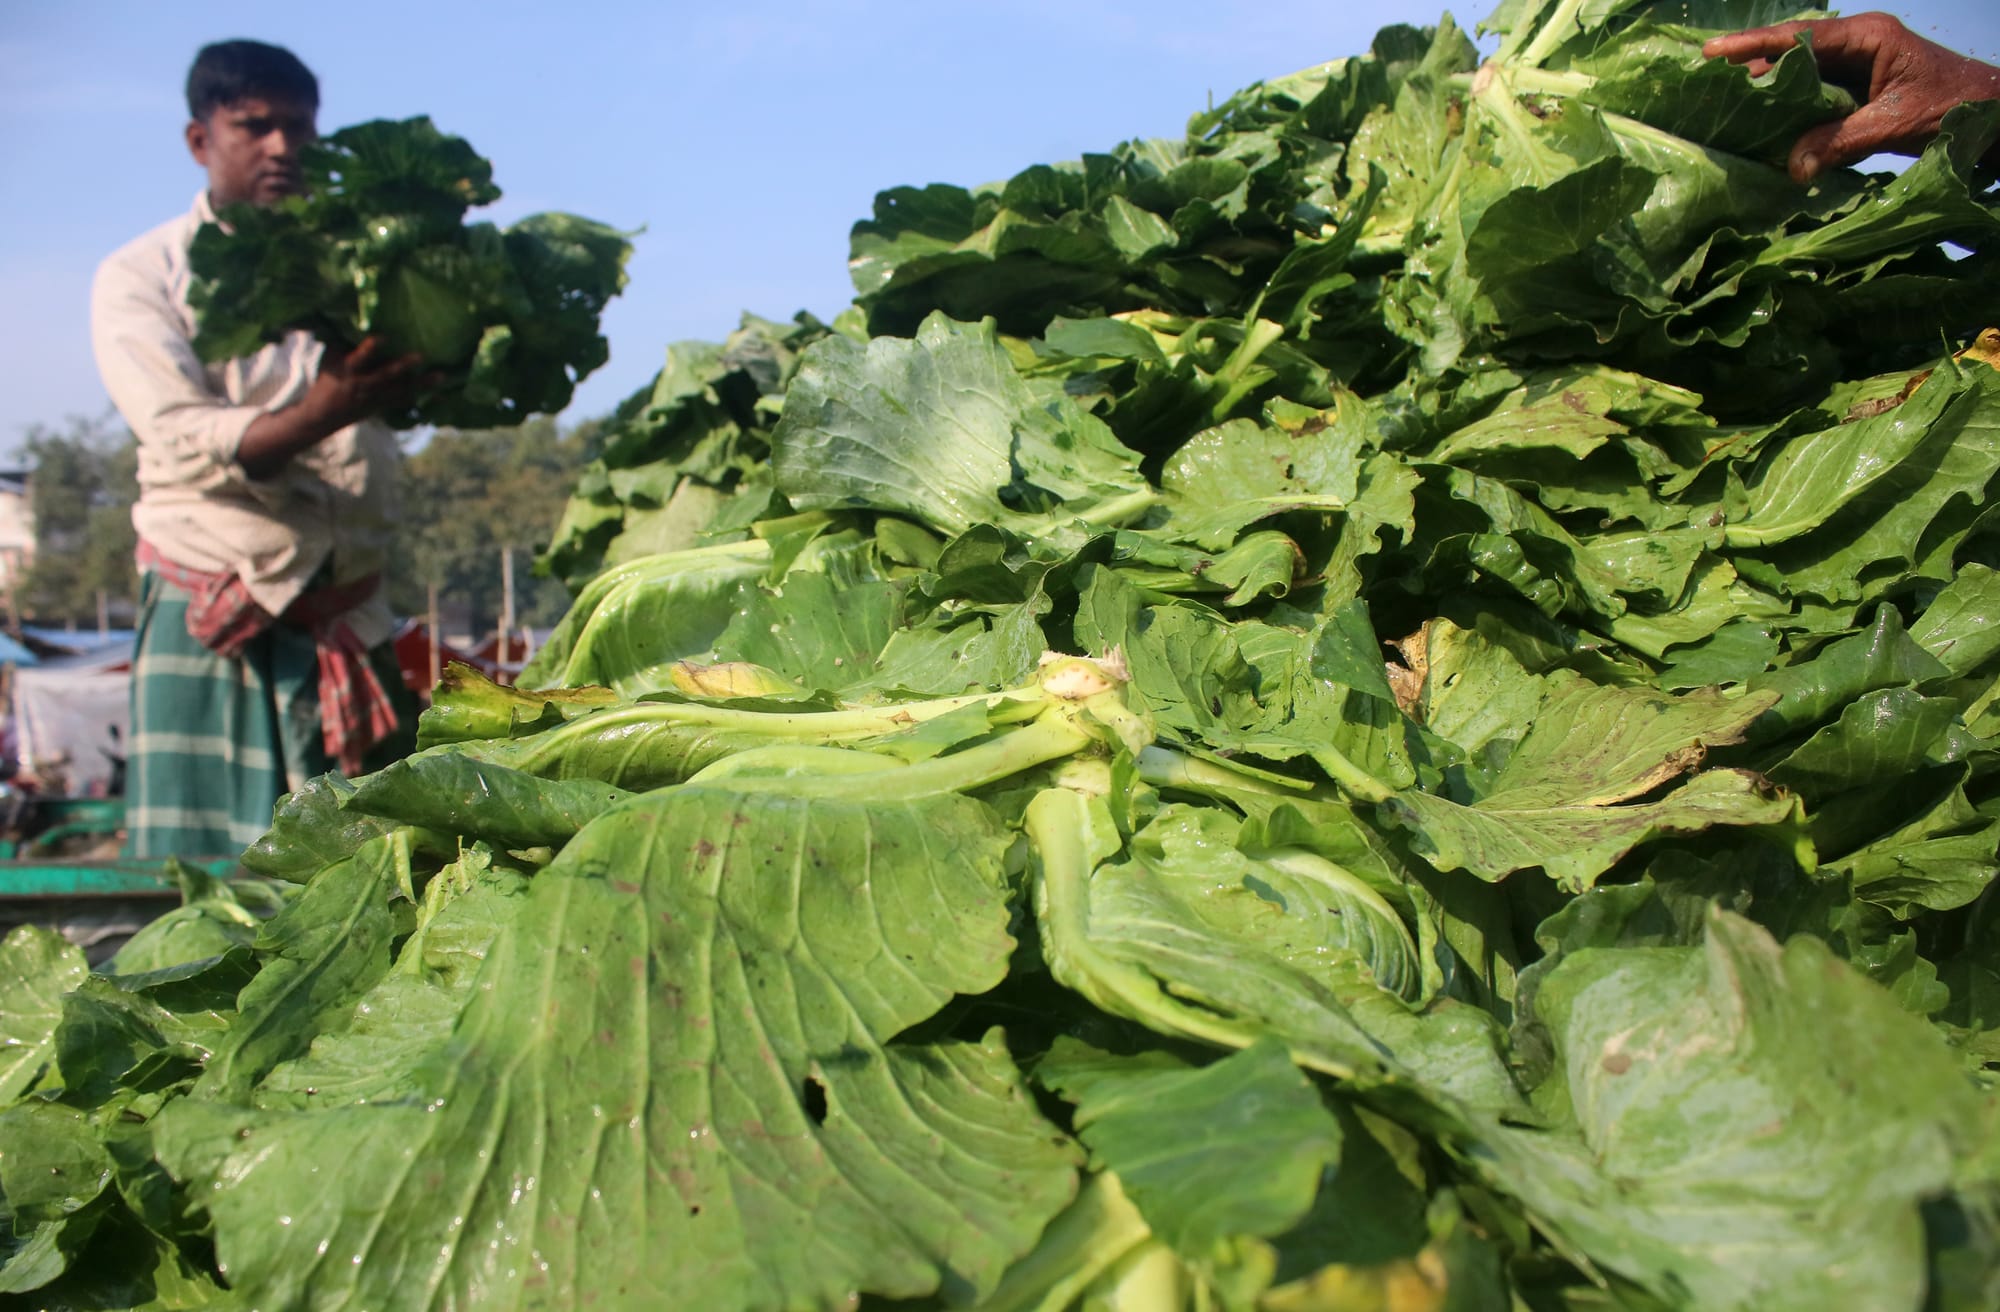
pixel 506 601
pixel 437 665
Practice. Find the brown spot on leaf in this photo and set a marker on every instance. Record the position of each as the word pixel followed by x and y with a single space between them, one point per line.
pixel 1406 680
pixel 1677 763
pixel 1617 1063
pixel 1986 350
pixel 1883 405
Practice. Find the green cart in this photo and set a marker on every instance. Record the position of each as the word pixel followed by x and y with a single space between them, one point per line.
pixel 95 902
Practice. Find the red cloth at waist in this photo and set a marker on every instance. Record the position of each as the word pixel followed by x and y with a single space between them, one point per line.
pixel 355 712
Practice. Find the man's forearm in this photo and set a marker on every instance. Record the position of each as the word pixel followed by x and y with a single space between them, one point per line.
pixel 347 389
pixel 273 439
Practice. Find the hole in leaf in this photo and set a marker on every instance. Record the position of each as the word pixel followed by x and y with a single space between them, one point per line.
pixel 813 1096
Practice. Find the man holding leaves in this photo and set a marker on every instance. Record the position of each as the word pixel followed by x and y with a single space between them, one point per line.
pixel 265 511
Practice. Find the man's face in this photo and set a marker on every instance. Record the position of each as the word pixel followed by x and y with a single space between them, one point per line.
pixel 251 148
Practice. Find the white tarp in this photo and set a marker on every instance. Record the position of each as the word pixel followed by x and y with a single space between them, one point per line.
pixel 70 720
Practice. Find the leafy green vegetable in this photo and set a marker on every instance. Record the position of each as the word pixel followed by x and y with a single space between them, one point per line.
pixel 558 1140
pixel 37 966
pixel 1233 1148
pixel 377 246
pixel 1725 1181
pixel 1519 829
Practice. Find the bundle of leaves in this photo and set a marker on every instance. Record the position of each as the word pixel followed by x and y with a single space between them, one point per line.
pixel 1509 837
pixel 377 244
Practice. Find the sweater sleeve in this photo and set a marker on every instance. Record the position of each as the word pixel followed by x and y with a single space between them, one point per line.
pixel 147 361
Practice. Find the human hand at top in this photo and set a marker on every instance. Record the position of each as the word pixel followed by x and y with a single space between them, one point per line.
pixel 1911 84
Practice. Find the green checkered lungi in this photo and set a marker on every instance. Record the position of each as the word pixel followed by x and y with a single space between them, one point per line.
pixel 215 741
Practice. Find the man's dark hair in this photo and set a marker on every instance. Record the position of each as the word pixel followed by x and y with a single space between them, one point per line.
pixel 229 72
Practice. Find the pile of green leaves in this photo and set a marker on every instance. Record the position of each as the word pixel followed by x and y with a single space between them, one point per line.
pixel 1517 831
pixel 377 244
pixel 1407 225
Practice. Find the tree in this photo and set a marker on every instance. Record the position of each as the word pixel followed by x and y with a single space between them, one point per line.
pixel 467 494
pixel 82 483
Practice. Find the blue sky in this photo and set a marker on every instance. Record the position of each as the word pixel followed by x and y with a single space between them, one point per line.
pixel 745 138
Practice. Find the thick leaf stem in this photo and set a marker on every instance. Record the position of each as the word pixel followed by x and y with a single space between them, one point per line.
pixel 1351 778
pixel 1163 767
pixel 1049 738
pixel 1114 512
pixel 1560 26
pixel 1236 375
pixel 1533 81
pixel 1007 707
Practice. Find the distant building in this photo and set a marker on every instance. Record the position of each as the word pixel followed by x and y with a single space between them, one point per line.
pixel 17 527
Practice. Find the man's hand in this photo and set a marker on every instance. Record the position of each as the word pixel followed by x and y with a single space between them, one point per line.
pixel 366 381
pixel 1910 84
pixel 347 389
